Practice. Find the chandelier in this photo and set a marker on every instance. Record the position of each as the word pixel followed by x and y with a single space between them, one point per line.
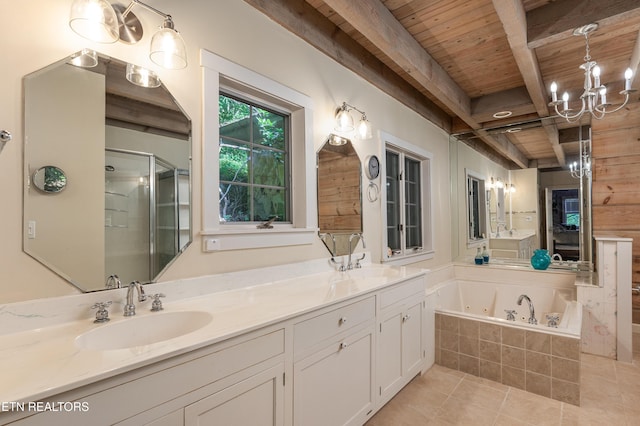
pixel 582 168
pixel 594 96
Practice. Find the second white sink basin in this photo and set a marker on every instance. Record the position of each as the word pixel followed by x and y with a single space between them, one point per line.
pixel 143 330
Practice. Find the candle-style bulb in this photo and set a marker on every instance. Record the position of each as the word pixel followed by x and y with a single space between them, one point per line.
pixel 628 75
pixel 596 76
pixel 565 100
pixel 554 92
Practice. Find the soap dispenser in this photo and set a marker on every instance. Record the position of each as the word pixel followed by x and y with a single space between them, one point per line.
pixel 485 254
pixel 478 259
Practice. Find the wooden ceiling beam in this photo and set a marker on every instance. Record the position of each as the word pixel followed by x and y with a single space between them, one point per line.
pixel 303 20
pixel 516 100
pixel 376 23
pixel 557 20
pixel 514 21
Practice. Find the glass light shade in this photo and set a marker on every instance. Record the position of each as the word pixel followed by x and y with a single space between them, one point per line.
pixel 168 49
pixel 94 20
pixel 142 77
pixel 344 121
pixel 364 129
pixel 86 58
pixel 336 140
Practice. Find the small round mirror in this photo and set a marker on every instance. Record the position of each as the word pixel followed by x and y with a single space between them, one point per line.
pixel 49 179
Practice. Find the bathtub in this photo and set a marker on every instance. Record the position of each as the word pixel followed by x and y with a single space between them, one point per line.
pixel 489 302
pixel 473 335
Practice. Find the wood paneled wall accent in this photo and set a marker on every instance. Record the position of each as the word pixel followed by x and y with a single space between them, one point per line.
pixel 339 202
pixel 616 178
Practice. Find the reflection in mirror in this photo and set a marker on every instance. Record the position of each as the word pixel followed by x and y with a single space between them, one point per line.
pixel 126 153
pixel 524 225
pixel 339 195
pixel 476 208
pixel 49 179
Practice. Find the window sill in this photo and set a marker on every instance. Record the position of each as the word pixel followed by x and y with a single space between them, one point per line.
pixel 238 238
pixel 409 258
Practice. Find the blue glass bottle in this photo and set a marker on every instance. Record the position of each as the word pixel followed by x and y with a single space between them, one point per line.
pixel 478 259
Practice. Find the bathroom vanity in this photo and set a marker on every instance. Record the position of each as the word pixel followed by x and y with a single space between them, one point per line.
pixel 517 245
pixel 326 348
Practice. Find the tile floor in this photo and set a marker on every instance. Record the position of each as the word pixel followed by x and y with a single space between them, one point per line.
pixel 610 396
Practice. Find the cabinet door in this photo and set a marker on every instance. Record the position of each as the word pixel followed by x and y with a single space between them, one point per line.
pixel 389 360
pixel 334 386
pixel 256 401
pixel 399 355
pixel 412 340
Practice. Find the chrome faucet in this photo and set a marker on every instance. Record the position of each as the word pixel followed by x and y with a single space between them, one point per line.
pixel 130 308
pixel 532 314
pixel 113 281
pixel 357 264
pixel 504 228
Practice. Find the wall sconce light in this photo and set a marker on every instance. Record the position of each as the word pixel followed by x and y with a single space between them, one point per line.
pixel 336 140
pixel 511 188
pixel 101 22
pixel 142 77
pixel 495 183
pixel 86 58
pixel 345 123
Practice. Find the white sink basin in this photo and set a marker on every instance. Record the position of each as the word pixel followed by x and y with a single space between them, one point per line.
pixel 142 330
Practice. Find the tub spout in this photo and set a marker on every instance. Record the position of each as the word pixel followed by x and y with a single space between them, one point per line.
pixel 532 313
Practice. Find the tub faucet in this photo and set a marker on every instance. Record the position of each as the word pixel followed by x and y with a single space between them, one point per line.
pixel 130 308
pixel 532 314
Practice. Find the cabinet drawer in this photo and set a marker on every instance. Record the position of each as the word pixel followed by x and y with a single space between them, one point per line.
pixel 314 330
pixel 401 291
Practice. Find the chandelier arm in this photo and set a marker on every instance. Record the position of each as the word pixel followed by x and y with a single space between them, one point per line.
pixel 622 105
pixel 572 118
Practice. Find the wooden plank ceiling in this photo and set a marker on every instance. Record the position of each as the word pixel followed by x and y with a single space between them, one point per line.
pixel 458 62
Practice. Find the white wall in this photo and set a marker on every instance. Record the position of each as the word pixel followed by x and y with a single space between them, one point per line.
pixel 241 34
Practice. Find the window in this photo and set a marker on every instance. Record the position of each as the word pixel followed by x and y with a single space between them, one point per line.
pixel 572 212
pixel 407 203
pixel 257 148
pixel 254 162
pixel 476 211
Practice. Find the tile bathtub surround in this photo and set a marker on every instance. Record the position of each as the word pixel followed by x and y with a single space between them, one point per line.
pixel 544 364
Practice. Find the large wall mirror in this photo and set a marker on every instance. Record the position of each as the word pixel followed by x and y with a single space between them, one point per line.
pixel 339 195
pixel 125 151
pixel 526 209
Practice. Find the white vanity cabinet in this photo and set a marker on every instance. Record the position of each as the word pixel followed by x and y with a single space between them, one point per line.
pixel 187 389
pixel 515 247
pixel 400 347
pixel 333 362
pixel 333 366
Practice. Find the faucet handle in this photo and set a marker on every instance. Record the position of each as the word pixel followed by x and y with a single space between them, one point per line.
pixel 102 315
pixel 552 320
pixel 511 314
pixel 156 305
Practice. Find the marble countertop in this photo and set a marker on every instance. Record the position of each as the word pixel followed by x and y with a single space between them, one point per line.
pixel 516 235
pixel 44 361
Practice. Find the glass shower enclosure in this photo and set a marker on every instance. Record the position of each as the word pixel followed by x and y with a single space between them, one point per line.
pixel 145 215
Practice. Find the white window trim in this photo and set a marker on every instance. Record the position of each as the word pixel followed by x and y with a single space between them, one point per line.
pixel 303 228
pixel 483 201
pixel 427 197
